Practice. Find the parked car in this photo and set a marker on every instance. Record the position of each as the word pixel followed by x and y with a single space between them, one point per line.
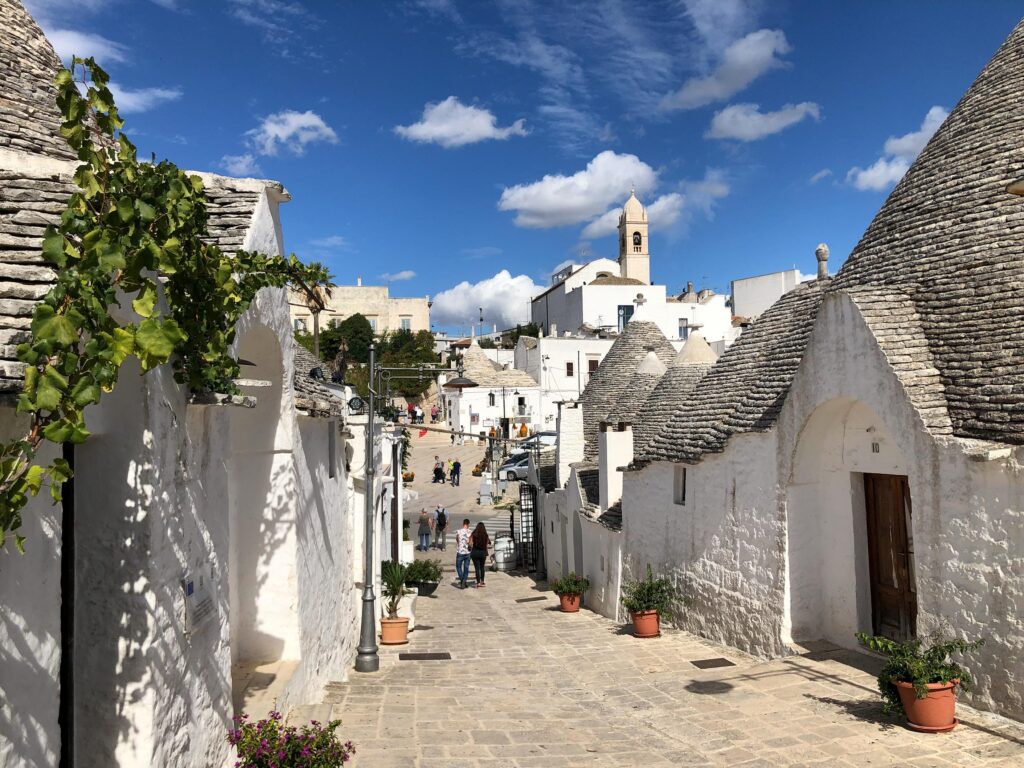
pixel 515 468
pixel 538 440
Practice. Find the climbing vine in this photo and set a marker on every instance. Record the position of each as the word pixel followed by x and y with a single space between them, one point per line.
pixel 134 277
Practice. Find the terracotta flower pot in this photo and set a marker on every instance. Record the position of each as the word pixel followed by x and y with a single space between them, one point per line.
pixel 394 631
pixel 646 624
pixel 570 603
pixel 936 712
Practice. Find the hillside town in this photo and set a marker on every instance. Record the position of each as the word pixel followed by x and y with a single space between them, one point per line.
pixel 256 512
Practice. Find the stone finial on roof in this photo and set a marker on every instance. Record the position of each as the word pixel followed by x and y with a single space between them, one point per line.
pixel 822 253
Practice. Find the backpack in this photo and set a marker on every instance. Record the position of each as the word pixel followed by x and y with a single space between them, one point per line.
pixel 442 518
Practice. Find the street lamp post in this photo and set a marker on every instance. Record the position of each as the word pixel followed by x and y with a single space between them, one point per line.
pixel 366 655
pixel 367 659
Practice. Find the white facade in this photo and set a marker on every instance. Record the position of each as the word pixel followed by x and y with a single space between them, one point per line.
pixel 384 312
pixel 753 295
pixel 477 409
pixel 561 365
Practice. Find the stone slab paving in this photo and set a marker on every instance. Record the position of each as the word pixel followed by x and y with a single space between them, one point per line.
pixel 530 686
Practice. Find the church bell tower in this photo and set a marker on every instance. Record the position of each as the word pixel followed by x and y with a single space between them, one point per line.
pixel 634 256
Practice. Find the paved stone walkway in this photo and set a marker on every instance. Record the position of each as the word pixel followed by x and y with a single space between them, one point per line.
pixel 530 686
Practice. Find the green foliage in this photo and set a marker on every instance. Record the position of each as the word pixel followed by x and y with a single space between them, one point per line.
pixel 269 743
pixel 406 441
pixel 131 232
pixel 649 594
pixel 487 343
pixel 510 339
pixel 405 349
pixel 913 662
pixel 356 332
pixel 423 571
pixel 393 578
pixel 572 584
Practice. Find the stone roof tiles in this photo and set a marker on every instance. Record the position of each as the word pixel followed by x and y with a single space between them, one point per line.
pixel 486 373
pixel 311 396
pixel 616 280
pixel 645 378
pixel 611 386
pixel 951 239
pixel 29 119
pixel 744 391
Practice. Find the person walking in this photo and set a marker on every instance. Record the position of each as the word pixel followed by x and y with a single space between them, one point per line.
pixel 440 527
pixel 479 544
pixel 438 470
pixel 462 537
pixel 451 471
pixel 424 530
pixel 456 472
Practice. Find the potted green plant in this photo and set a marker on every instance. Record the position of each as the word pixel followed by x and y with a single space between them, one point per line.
pixel 394 628
pixel 647 600
pixel 921 681
pixel 425 575
pixel 269 742
pixel 570 591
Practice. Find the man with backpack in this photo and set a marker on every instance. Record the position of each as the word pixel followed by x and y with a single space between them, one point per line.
pixel 440 527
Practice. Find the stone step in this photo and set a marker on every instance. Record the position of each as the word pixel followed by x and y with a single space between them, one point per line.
pixel 306 713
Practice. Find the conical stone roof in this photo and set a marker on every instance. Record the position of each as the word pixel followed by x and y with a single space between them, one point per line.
pixel 951 239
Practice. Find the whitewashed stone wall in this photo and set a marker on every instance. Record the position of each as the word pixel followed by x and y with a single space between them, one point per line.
pixel 602 564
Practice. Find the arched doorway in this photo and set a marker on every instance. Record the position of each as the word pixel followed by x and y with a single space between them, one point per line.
pixel 262 512
pixel 850 554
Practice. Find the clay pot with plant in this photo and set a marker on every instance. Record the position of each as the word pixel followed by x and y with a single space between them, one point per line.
pixel 425 575
pixel 921 680
pixel 648 600
pixel 394 628
pixel 570 591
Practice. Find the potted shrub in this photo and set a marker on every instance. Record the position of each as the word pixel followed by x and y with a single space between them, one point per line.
pixel 270 742
pixel 394 628
pixel 570 590
pixel 647 600
pixel 425 575
pixel 921 681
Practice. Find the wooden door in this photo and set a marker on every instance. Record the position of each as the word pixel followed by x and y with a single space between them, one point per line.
pixel 891 556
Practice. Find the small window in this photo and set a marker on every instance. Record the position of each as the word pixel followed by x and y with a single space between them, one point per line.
pixel 490 399
pixel 570 370
pixel 592 365
pixel 300 324
pixel 373 323
pixel 637 242
pixel 684 328
pixel 679 486
pixel 405 322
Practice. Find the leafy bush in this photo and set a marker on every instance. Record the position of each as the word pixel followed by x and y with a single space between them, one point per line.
pixel 423 570
pixel 393 580
pixel 912 662
pixel 570 585
pixel 649 594
pixel 270 743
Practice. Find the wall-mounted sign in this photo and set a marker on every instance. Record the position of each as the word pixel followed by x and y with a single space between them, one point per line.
pixel 199 605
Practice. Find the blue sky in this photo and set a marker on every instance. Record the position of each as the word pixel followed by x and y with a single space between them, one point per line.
pixel 465 149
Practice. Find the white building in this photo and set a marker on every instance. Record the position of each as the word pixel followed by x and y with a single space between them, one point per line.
pixel 198 538
pixel 753 295
pixel 561 366
pixel 384 312
pixel 503 398
pixel 853 461
pixel 605 294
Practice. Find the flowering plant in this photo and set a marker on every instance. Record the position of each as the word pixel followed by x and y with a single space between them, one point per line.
pixel 270 743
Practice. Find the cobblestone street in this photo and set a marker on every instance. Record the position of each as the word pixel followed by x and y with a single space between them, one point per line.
pixel 530 686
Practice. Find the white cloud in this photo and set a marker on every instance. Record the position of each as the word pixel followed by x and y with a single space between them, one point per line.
pixel 141 99
pixel 68 43
pixel 393 277
pixel 240 165
pixel 505 299
pixel 693 197
pixel 280 21
pixel 899 153
pixel 558 200
pixel 451 123
pixel 746 122
pixel 332 241
pixel 824 173
pixel 720 22
pixel 291 130
pixel 742 62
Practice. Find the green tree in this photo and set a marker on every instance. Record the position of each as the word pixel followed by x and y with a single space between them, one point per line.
pixel 355 331
pixel 487 343
pixel 510 340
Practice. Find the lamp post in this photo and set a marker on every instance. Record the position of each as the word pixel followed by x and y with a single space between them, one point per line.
pixel 367 659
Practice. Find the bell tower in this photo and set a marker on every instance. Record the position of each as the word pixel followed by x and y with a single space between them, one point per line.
pixel 634 256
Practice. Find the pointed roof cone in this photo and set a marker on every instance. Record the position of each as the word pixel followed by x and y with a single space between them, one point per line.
pixel 651 365
pixel 695 350
pixel 950 238
pixel 30 121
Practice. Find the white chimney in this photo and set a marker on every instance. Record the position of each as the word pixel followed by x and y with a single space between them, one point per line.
pixel 570 438
pixel 615 449
pixel 494 327
pixel 359 280
pixel 552 329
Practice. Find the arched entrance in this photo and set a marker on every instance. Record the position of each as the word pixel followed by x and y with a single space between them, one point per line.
pixel 262 510
pixel 850 554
